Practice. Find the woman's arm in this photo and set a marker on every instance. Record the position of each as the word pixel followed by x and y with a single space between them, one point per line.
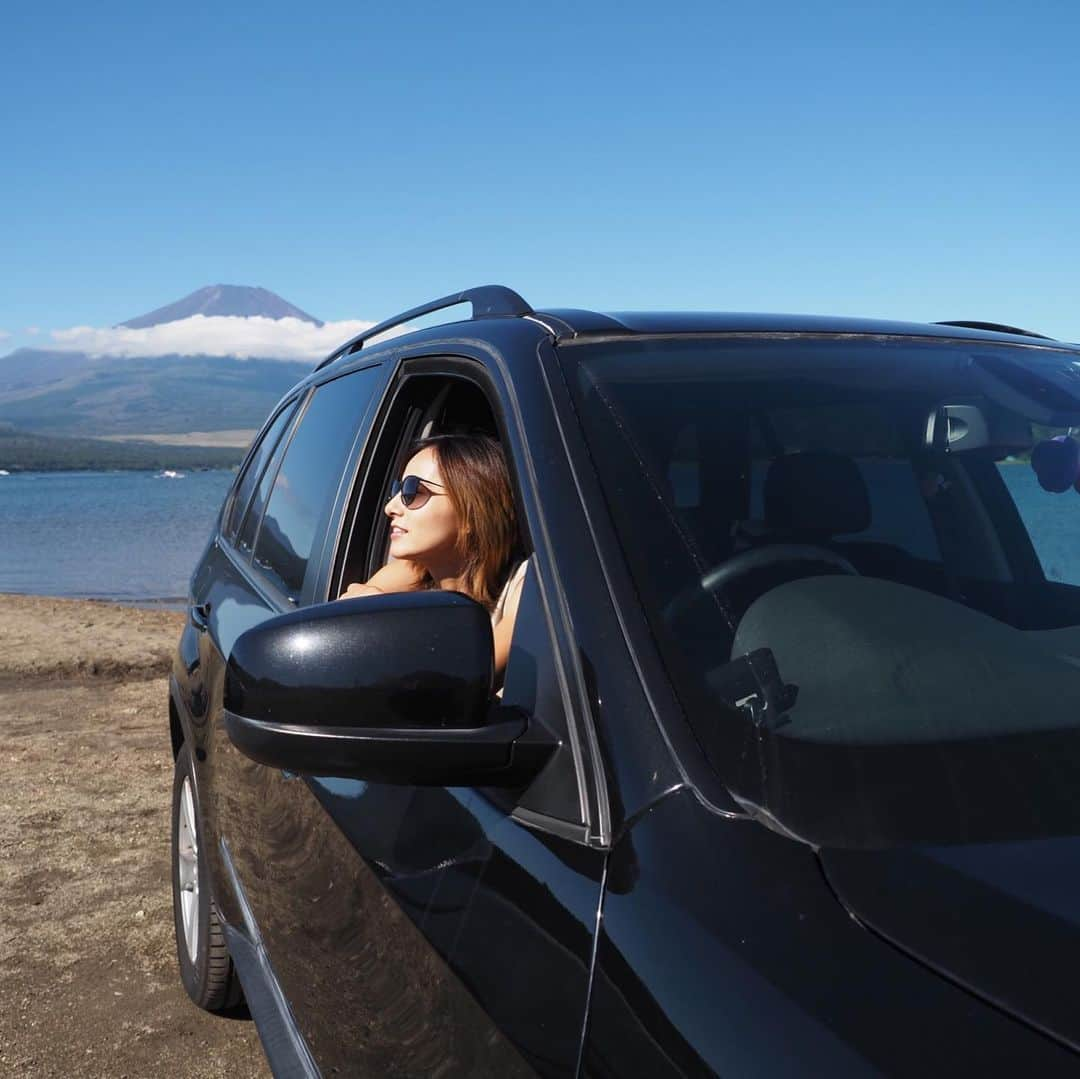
pixel 400 575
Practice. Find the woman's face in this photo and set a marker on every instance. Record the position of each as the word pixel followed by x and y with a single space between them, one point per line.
pixel 427 531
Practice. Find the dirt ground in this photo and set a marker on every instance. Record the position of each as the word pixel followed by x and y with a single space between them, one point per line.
pixel 88 977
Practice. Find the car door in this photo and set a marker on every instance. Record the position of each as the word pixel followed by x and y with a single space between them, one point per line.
pixel 417 930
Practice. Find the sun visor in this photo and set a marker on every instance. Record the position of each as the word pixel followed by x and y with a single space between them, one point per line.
pixel 1046 390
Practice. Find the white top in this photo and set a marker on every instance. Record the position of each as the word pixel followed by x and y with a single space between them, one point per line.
pixel 513 581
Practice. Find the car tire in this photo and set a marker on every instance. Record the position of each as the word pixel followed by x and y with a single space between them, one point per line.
pixel 206 968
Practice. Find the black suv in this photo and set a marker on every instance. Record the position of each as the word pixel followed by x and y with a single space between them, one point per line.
pixel 784 776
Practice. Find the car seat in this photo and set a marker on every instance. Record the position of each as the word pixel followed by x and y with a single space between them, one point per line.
pixel 814 498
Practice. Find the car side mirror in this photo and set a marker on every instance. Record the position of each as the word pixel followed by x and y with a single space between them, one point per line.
pixel 393 688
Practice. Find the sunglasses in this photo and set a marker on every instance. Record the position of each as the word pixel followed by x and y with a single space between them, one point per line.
pixel 413 491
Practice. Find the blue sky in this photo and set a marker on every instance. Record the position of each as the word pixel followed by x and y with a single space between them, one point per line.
pixel 901 160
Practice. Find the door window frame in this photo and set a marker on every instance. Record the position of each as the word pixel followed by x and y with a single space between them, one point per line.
pixel 431 364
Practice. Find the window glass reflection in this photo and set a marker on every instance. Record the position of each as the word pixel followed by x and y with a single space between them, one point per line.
pixel 309 477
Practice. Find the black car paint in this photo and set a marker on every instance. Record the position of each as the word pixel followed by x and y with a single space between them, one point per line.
pixel 427 927
pixel 723 950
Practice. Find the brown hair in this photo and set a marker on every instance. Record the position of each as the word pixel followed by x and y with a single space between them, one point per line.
pixel 478 483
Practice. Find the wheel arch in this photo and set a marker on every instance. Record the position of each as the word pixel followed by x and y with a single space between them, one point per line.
pixel 179 724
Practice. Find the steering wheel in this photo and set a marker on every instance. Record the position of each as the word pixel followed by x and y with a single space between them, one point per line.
pixel 720 578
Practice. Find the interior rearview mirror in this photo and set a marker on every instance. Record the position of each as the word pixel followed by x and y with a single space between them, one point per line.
pixel 957 429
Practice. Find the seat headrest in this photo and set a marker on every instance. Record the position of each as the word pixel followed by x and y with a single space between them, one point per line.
pixel 823 493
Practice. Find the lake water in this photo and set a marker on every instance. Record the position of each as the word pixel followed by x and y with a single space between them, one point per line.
pixel 1052 521
pixel 114 535
pixel 134 536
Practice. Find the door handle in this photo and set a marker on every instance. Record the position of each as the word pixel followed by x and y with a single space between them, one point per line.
pixel 199 613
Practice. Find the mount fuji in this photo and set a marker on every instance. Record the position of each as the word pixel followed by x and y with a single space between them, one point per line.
pixel 215 360
pixel 228 301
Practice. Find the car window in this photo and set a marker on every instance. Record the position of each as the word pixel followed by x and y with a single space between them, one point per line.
pixel 254 470
pixel 311 472
pixel 249 528
pixel 422 408
pixel 433 405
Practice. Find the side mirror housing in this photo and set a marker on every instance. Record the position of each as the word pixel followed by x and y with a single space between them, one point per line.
pixel 393 688
pixel 411 659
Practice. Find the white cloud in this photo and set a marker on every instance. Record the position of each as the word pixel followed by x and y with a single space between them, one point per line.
pixel 217 335
pixel 32 331
pixel 4 335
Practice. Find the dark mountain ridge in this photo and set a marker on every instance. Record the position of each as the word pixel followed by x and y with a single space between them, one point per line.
pixel 158 394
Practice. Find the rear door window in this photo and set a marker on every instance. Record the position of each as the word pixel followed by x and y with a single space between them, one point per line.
pixel 305 486
pixel 242 496
pixel 245 541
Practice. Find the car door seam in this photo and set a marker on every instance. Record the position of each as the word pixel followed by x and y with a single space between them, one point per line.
pixel 594 951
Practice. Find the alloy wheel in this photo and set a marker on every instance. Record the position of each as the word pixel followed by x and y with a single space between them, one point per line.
pixel 187 859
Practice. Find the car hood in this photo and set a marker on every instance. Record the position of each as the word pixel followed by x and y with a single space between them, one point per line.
pixel 1002 919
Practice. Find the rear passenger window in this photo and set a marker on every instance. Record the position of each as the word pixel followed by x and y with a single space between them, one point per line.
pixel 305 486
pixel 254 470
pixel 250 527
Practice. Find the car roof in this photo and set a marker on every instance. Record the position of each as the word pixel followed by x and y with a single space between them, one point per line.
pixel 496 305
pixel 580 323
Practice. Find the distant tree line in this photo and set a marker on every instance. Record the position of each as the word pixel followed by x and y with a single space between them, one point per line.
pixel 23 452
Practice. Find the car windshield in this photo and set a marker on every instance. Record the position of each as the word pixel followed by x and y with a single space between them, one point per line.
pixel 858 558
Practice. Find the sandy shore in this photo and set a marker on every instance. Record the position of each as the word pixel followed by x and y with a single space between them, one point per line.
pixel 88 981
pixel 238 438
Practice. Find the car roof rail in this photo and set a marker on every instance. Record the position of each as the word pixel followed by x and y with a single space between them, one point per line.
pixel 488 301
pixel 996 327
